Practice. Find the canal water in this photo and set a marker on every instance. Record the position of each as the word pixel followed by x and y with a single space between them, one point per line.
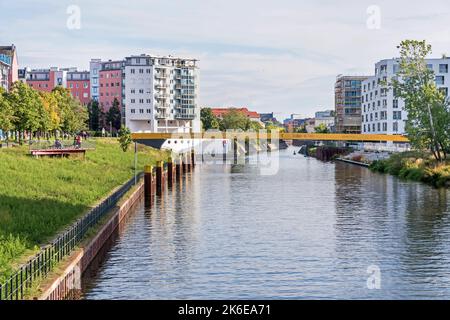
pixel 313 230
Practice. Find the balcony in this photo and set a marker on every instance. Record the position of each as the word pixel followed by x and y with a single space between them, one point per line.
pixel 161 106
pixel 161 96
pixel 184 116
pixel 161 115
pixel 160 76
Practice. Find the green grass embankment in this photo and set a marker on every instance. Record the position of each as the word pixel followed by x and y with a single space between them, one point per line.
pixel 40 197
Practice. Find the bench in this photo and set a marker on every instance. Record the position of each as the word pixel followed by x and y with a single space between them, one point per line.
pixel 58 152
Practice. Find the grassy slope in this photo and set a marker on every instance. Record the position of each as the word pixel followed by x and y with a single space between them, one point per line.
pixel 39 197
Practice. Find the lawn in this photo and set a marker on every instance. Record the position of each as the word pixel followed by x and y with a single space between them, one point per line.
pixel 40 197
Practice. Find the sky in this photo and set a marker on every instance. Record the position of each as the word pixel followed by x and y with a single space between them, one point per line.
pixel 272 56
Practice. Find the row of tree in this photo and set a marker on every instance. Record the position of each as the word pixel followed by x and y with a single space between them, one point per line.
pixel 27 112
pixel 233 119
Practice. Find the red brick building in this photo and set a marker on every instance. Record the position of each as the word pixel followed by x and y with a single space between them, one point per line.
pixel 110 80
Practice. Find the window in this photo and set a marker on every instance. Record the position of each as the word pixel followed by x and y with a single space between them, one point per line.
pixel 379 126
pixel 141 90
pixel 85 85
pixel 440 80
pixel 444 91
pixel 141 110
pixel 443 68
pixel 141 70
pixel 397 115
pixel 395 126
pixel 133 90
pixel 71 86
pixel 148 111
pixel 133 101
pixel 141 100
pixel 85 95
pixel 133 111
pixel 149 101
pixel 132 71
pixel 395 103
pixel 148 70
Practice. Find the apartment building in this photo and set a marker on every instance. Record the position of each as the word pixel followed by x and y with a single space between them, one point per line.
pixel 9 66
pixel 111 83
pixel 46 79
pixel 383 113
pixel 79 84
pixel 4 71
pixel 326 118
pixel 94 80
pixel 347 91
pixel 161 94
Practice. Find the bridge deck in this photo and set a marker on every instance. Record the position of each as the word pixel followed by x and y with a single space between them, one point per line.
pixel 282 136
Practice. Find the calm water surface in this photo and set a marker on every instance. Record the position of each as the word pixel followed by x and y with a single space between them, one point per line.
pixel 310 231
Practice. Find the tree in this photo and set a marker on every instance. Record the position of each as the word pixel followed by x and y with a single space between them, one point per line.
pixel 234 119
pixel 94 115
pixel 209 120
pixel 6 112
pixel 114 117
pixel 51 119
pixel 125 138
pixel 301 129
pixel 28 108
pixel 73 114
pixel 321 128
pixel 428 123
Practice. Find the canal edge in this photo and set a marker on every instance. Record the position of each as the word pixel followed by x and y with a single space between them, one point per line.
pixel 69 278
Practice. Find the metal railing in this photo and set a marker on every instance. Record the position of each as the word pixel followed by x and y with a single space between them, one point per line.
pixel 61 144
pixel 21 282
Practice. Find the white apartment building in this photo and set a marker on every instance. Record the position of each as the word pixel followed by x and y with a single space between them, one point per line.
pixel 382 112
pixel 160 94
pixel 94 69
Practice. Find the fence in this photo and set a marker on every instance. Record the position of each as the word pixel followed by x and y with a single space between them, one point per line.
pixel 22 281
pixel 61 144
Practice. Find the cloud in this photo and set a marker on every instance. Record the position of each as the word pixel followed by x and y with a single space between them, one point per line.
pixel 278 56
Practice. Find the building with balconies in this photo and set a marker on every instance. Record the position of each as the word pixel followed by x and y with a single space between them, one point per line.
pixel 9 66
pixel 160 94
pixel 347 92
pixel 382 111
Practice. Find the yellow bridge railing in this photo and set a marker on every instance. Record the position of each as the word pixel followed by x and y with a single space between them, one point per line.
pixel 266 136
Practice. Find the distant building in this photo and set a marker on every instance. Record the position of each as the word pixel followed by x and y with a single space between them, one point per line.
pixel 268 117
pixel 310 125
pixel 347 92
pixel 110 83
pixel 383 113
pixel 79 84
pixel 94 72
pixel 327 118
pixel 46 79
pixel 9 66
pixel 294 122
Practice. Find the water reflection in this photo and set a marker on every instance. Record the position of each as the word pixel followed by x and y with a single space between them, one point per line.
pixel 310 231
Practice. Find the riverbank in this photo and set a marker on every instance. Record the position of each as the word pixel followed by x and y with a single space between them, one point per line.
pixel 40 197
pixel 416 166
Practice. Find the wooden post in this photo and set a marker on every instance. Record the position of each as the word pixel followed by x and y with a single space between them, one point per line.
pixel 193 159
pixel 148 182
pixel 159 177
pixel 183 162
pixel 170 172
pixel 178 169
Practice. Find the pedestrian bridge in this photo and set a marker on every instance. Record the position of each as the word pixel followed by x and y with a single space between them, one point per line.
pixel 272 136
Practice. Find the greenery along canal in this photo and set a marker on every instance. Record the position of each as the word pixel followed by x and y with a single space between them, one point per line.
pixel 40 197
pixel 312 230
